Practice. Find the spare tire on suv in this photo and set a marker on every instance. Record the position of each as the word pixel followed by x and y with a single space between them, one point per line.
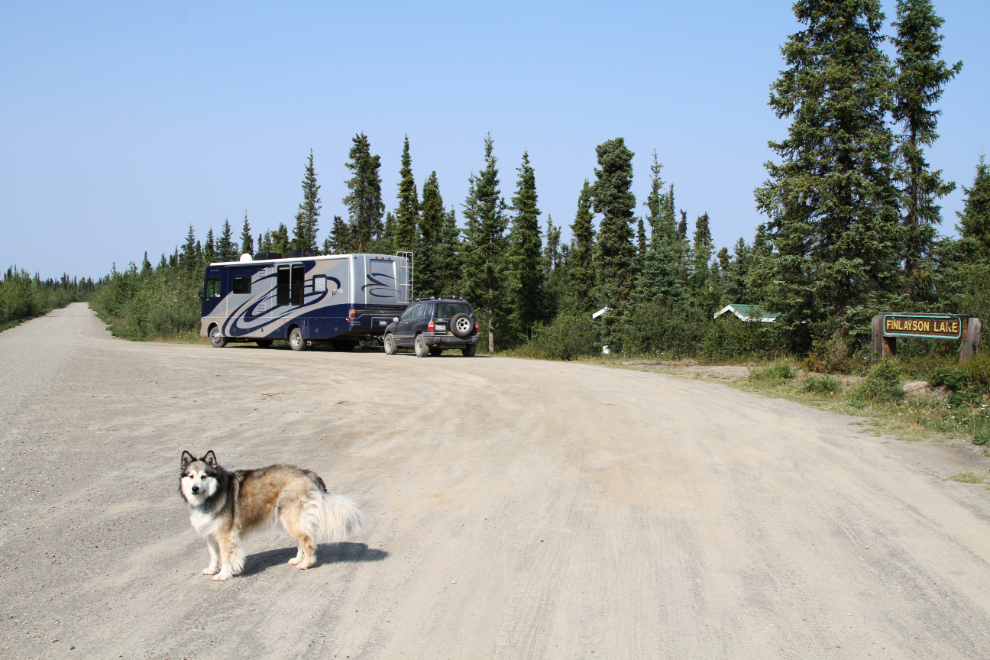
pixel 461 325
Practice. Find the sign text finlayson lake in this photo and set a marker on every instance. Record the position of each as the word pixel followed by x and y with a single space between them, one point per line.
pixel 939 327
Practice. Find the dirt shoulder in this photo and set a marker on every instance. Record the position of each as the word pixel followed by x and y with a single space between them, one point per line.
pixel 515 508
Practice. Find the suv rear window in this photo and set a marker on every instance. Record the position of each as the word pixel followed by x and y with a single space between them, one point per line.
pixel 446 310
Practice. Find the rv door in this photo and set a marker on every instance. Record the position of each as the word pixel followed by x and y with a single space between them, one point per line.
pixel 290 284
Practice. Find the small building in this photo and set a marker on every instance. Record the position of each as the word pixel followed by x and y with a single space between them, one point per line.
pixel 748 313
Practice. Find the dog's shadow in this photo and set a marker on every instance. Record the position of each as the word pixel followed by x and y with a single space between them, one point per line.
pixel 325 554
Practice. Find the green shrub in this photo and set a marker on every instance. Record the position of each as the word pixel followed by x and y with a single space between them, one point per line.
pixel 829 355
pixel 728 337
pixel 571 334
pixel 774 373
pixel 884 383
pixel 821 385
pixel 978 370
pixel 657 327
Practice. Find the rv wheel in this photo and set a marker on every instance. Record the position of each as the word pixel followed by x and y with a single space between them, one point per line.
pixel 217 338
pixel 389 342
pixel 264 343
pixel 420 347
pixel 296 340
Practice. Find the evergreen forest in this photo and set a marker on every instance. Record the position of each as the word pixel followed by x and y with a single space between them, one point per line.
pixel 851 207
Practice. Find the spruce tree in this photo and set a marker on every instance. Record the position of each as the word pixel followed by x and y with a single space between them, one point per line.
pixel 831 203
pixel 364 198
pixel 339 241
pixel 209 249
pixel 308 216
pixel 615 255
pixel 551 253
pixel 188 258
pixel 580 264
pixel 660 205
pixel 407 213
pixel 388 234
pixel 640 237
pixel 701 251
pixel 448 256
pixel 736 273
pixel 554 273
pixel 705 287
pixel 525 270
pixel 974 221
pixel 660 278
pixel 280 240
pixel 226 248
pixel 247 241
pixel 430 235
pixel 146 267
pixel 920 81
pixel 483 264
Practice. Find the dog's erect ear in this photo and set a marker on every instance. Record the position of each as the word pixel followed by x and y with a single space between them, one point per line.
pixel 210 459
pixel 187 458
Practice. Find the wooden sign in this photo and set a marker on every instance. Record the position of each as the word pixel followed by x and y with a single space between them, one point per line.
pixel 930 326
pixel 967 330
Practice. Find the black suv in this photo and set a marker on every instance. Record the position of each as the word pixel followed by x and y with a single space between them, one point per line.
pixel 430 325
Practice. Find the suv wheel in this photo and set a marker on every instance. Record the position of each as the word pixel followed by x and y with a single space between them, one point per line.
pixel 435 351
pixel 422 350
pixel 461 325
pixel 469 351
pixel 296 340
pixel 217 338
pixel 389 342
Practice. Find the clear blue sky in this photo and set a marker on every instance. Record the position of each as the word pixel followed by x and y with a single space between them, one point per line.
pixel 123 123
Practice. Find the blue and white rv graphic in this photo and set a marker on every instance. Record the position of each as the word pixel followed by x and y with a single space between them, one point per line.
pixel 308 300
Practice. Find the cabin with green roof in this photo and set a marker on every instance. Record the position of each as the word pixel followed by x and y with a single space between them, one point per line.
pixel 748 313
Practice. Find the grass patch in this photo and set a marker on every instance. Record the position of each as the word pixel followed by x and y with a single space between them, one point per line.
pixel 774 374
pixel 967 478
pixel 823 385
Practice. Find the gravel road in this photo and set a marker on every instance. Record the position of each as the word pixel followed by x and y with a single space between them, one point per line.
pixel 515 509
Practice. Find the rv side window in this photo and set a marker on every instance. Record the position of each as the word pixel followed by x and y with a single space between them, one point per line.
pixel 283 286
pixel 319 284
pixel 212 287
pixel 242 284
pixel 298 282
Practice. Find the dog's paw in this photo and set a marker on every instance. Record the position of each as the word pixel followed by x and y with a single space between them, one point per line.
pixel 221 577
pixel 210 570
pixel 294 561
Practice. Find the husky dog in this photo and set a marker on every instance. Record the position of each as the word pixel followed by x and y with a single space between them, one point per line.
pixel 224 505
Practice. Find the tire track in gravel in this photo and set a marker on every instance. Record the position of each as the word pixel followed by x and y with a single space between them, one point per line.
pixel 516 509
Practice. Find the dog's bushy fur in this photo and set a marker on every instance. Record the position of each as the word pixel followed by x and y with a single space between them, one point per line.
pixel 225 506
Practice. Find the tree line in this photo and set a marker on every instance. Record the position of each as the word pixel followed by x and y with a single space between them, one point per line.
pixel 23 296
pixel 851 205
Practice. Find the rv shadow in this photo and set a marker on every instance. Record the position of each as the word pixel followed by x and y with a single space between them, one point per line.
pixel 325 554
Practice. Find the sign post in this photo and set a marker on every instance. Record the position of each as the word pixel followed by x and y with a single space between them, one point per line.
pixel 950 327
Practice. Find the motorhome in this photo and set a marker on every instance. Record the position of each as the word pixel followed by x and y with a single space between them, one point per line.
pixel 305 300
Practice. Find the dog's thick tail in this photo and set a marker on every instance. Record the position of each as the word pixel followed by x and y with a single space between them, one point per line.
pixel 333 518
